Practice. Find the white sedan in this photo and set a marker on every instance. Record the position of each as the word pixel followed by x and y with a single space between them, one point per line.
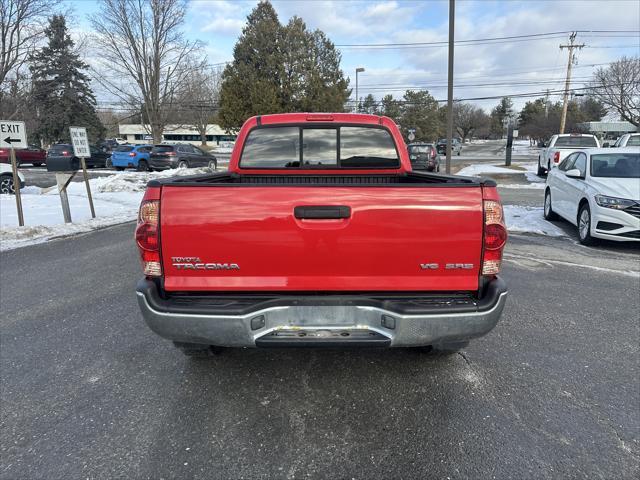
pixel 598 190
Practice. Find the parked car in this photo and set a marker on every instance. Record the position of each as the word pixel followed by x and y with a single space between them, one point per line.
pixel 6 179
pixel 559 146
pixel 424 156
pixel 597 190
pixel 98 158
pixel 628 140
pixel 166 156
pixel 107 145
pixel 131 156
pixel 32 154
pixel 337 243
pixel 456 146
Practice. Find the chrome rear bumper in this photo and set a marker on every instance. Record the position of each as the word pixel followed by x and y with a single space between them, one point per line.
pixel 308 321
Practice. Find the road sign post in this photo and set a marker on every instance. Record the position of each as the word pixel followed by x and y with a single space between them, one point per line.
pixel 63 180
pixel 13 135
pixel 81 150
pixel 16 187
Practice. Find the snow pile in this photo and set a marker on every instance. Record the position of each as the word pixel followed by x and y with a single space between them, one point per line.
pixel 480 169
pixel 116 199
pixel 530 172
pixel 529 220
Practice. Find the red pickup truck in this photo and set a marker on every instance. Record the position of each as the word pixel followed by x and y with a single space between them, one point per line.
pixel 321 235
pixel 33 155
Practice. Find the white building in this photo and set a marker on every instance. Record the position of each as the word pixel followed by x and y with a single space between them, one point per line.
pixel 139 134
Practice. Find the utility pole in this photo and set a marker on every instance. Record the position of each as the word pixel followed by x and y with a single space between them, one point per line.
pixel 571 47
pixel 452 14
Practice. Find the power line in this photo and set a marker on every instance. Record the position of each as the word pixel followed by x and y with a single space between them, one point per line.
pixel 543 36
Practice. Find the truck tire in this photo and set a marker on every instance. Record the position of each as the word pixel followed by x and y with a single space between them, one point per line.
pixel 541 171
pixel 108 163
pixel 36 164
pixel 549 214
pixel 584 226
pixel 197 350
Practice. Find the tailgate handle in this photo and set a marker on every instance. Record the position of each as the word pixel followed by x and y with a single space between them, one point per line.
pixel 322 212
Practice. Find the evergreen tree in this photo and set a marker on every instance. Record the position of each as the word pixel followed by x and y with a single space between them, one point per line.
pixel 420 111
pixel 369 105
pixel 280 68
pixel 251 83
pixel 61 90
pixel 503 110
pixel 391 108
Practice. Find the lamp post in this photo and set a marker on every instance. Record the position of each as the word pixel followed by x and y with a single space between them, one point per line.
pixel 358 70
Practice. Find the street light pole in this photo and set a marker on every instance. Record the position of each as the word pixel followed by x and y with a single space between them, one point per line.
pixel 452 11
pixel 358 70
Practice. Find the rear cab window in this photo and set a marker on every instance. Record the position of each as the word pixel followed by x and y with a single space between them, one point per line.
pixel 345 146
pixel 576 141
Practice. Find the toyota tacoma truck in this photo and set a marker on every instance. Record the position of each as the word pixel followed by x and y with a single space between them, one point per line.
pixel 561 145
pixel 320 234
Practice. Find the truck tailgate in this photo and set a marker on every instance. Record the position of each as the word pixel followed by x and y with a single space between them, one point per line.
pixel 247 238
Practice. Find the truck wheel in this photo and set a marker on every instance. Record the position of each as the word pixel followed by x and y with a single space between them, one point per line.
pixel 197 350
pixel 6 184
pixel 540 169
pixel 584 226
pixel 108 163
pixel 549 214
pixel 36 164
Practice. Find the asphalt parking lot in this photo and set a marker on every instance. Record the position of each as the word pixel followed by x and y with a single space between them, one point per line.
pixel 88 391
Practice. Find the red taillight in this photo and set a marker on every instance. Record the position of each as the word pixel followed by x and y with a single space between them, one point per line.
pixel 556 157
pixel 433 153
pixel 132 154
pixel 147 234
pixel 65 153
pixel 495 237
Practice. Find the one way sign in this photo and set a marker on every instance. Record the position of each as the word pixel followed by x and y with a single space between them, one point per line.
pixel 12 134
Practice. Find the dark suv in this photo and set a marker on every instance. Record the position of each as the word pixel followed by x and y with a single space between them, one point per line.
pixel 98 158
pixel 424 156
pixel 180 156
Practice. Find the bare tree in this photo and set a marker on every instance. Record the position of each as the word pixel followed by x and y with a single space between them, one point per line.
pixel 22 24
pixel 467 118
pixel 144 56
pixel 198 99
pixel 618 88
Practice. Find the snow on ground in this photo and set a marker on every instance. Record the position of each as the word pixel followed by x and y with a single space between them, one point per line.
pixel 116 200
pixel 529 220
pixel 530 173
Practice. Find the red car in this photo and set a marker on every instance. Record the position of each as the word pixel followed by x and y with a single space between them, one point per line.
pixel 320 234
pixel 33 155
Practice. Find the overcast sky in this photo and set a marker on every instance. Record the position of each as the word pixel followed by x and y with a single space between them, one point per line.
pixel 491 69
